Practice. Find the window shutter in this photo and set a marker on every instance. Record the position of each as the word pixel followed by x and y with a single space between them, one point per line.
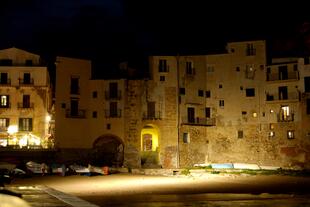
pixel 30 124
pixel 20 125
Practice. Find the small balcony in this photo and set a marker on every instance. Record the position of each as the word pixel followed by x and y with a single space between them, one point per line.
pixel 201 121
pixel 5 106
pixel 113 96
pixel 281 77
pixel 5 82
pixel 26 82
pixel 25 105
pixel 149 116
pixel 292 96
pixel 79 114
pixel 283 118
pixel 113 113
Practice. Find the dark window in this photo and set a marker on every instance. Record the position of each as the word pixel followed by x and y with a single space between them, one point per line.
pixel 191 115
pixel 162 78
pixel 189 68
pixel 200 93
pixel 250 50
pixel 113 90
pixel 74 110
pixel 250 92
pixel 241 88
pixel 263 114
pixel 221 103
pixel 28 63
pixel 27 78
pixel 94 114
pixel 3 78
pixel 237 69
pixel 220 86
pixel 307 83
pixel 306 62
pixel 26 101
pixel 108 126
pixel 6 62
pixel 63 105
pixel 185 137
pixel 283 93
pixel 95 94
pixel 290 134
pixel 283 74
pixel 208 94
pixel 208 112
pixel 162 67
pixel 240 134
pixel 243 112
pixel 182 91
pixel 113 109
pixel 151 109
pixel 295 67
pixel 5 101
pixel 74 87
pixel 25 124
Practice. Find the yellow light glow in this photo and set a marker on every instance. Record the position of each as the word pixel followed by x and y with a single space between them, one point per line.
pixel 23 141
pixel 254 114
pixel 12 129
pixel 48 118
pixel 154 134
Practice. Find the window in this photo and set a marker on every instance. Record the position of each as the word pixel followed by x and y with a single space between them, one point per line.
pixel 285 114
pixel 283 74
pixel 191 115
pixel 74 110
pixel 6 62
pixel 162 67
pixel 186 138
pixel 237 69
pixel 94 114
pixel 308 106
pixel 221 103
pixel 271 134
pixel 27 78
pixel 243 112
pixel 189 68
pixel 4 123
pixel 182 91
pixel 283 94
pixel 240 134
pixel 254 115
pixel 26 101
pixel 241 88
pixel 295 67
pixel 200 93
pixel 63 105
pixel 263 114
pixel 3 78
pixel 28 63
pixel 108 126
pixel 290 134
pixel 113 90
pixel 4 101
pixel 113 109
pixel 306 61
pixel 250 92
pixel 162 78
pixel 250 50
pixel 307 83
pixel 271 126
pixel 208 112
pixel 220 86
pixel 74 87
pixel 208 94
pixel 210 69
pixel 25 124
pixel 151 109
pixel 95 94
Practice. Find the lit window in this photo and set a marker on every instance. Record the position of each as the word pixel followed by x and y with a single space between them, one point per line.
pixel 254 114
pixel 271 126
pixel 272 134
pixel 221 103
pixel 186 138
pixel 147 142
pixel 25 124
pixel 4 123
pixel 162 78
pixel 290 134
pixel 4 101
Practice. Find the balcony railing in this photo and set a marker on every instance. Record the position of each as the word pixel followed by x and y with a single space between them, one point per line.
pixel 25 105
pixel 80 114
pixel 8 105
pixel 199 121
pixel 74 90
pixel 26 81
pixel 282 118
pixel 155 116
pixel 113 96
pixel 5 82
pixel 278 77
pixel 113 113
pixel 292 96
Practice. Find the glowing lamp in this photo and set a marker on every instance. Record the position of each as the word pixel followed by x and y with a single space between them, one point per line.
pixel 12 129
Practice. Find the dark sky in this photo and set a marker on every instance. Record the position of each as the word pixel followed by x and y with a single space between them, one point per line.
pixel 109 31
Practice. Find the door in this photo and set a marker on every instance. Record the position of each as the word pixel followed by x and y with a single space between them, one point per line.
pixel 283 93
pixel 191 115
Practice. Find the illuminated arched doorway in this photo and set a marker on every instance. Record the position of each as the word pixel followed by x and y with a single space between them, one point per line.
pixel 109 150
pixel 149 146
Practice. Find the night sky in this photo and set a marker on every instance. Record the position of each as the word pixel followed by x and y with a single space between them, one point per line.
pixel 111 31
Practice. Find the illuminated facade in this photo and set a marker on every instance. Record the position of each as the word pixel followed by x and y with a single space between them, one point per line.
pixel 232 107
pixel 25 101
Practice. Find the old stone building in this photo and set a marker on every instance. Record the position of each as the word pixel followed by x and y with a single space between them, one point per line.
pixel 230 107
pixel 25 100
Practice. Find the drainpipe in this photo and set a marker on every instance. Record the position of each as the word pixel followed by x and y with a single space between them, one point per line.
pixel 178 112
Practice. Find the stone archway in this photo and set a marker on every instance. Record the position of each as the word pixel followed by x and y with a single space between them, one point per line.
pixel 108 150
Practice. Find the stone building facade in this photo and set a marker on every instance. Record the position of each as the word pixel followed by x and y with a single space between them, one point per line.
pixel 230 107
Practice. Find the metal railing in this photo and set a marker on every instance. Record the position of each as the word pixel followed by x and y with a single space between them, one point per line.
pixel 113 96
pixel 278 77
pixel 199 121
pixel 113 113
pixel 25 105
pixel 282 118
pixel 26 81
pixel 81 113
pixel 276 97
pixel 5 82
pixel 155 116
